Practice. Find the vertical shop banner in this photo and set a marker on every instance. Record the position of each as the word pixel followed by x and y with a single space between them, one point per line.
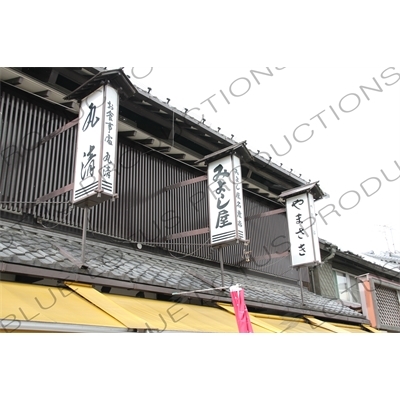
pixel 110 136
pixel 96 148
pixel 241 313
pixel 225 199
pixel 304 242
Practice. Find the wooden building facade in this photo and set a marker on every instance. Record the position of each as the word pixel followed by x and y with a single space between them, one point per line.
pixel 158 226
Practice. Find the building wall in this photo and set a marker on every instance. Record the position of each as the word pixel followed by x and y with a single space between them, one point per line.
pixel 380 300
pixel 325 280
pixel 144 211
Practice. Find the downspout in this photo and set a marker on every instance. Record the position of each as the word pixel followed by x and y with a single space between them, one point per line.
pixel 333 250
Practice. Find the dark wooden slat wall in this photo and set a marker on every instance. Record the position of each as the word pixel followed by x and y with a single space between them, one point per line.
pixel 144 212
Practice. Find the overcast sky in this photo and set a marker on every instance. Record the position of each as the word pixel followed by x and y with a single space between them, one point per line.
pixel 351 137
pixel 342 156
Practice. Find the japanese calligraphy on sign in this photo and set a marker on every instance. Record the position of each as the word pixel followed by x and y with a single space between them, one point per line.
pixel 109 140
pixel 96 147
pixel 226 201
pixel 87 164
pixel 304 243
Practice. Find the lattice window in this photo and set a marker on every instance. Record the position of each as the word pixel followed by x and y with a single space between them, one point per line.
pixel 388 306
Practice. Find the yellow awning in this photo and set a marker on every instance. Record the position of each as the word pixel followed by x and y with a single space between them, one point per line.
pixel 24 305
pixel 306 324
pixel 167 316
pixel 84 306
pixel 106 304
pixel 29 303
pixel 371 329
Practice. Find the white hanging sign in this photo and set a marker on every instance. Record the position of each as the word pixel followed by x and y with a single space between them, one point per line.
pixel 304 242
pixel 95 160
pixel 225 197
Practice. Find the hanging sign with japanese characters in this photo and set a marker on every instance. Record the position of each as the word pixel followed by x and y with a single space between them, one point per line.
pixel 96 148
pixel 109 143
pixel 304 243
pixel 225 197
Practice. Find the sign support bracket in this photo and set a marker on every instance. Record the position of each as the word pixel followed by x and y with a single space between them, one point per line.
pixel 221 262
pixel 85 224
pixel 301 287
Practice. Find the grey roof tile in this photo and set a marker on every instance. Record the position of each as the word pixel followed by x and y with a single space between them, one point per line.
pixel 48 261
pixel 26 258
pixel 37 248
pixel 97 272
pixel 18 250
pixel 6 254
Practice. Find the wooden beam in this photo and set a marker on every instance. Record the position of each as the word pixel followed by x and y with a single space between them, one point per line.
pixel 68 104
pixel 56 193
pixel 44 93
pixel 185 183
pixel 145 141
pixel 187 234
pixel 15 81
pixel 271 256
pixel 266 214
pixel 60 130
pixel 163 149
pixel 166 121
pixel 179 156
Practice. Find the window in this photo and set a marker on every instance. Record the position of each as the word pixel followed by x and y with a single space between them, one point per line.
pixel 347 287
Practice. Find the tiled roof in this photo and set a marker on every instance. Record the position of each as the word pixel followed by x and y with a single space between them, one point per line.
pixel 50 250
pixel 384 258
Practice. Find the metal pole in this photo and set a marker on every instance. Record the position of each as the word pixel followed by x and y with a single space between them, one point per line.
pixel 301 288
pixel 221 262
pixel 85 223
pixel 201 291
